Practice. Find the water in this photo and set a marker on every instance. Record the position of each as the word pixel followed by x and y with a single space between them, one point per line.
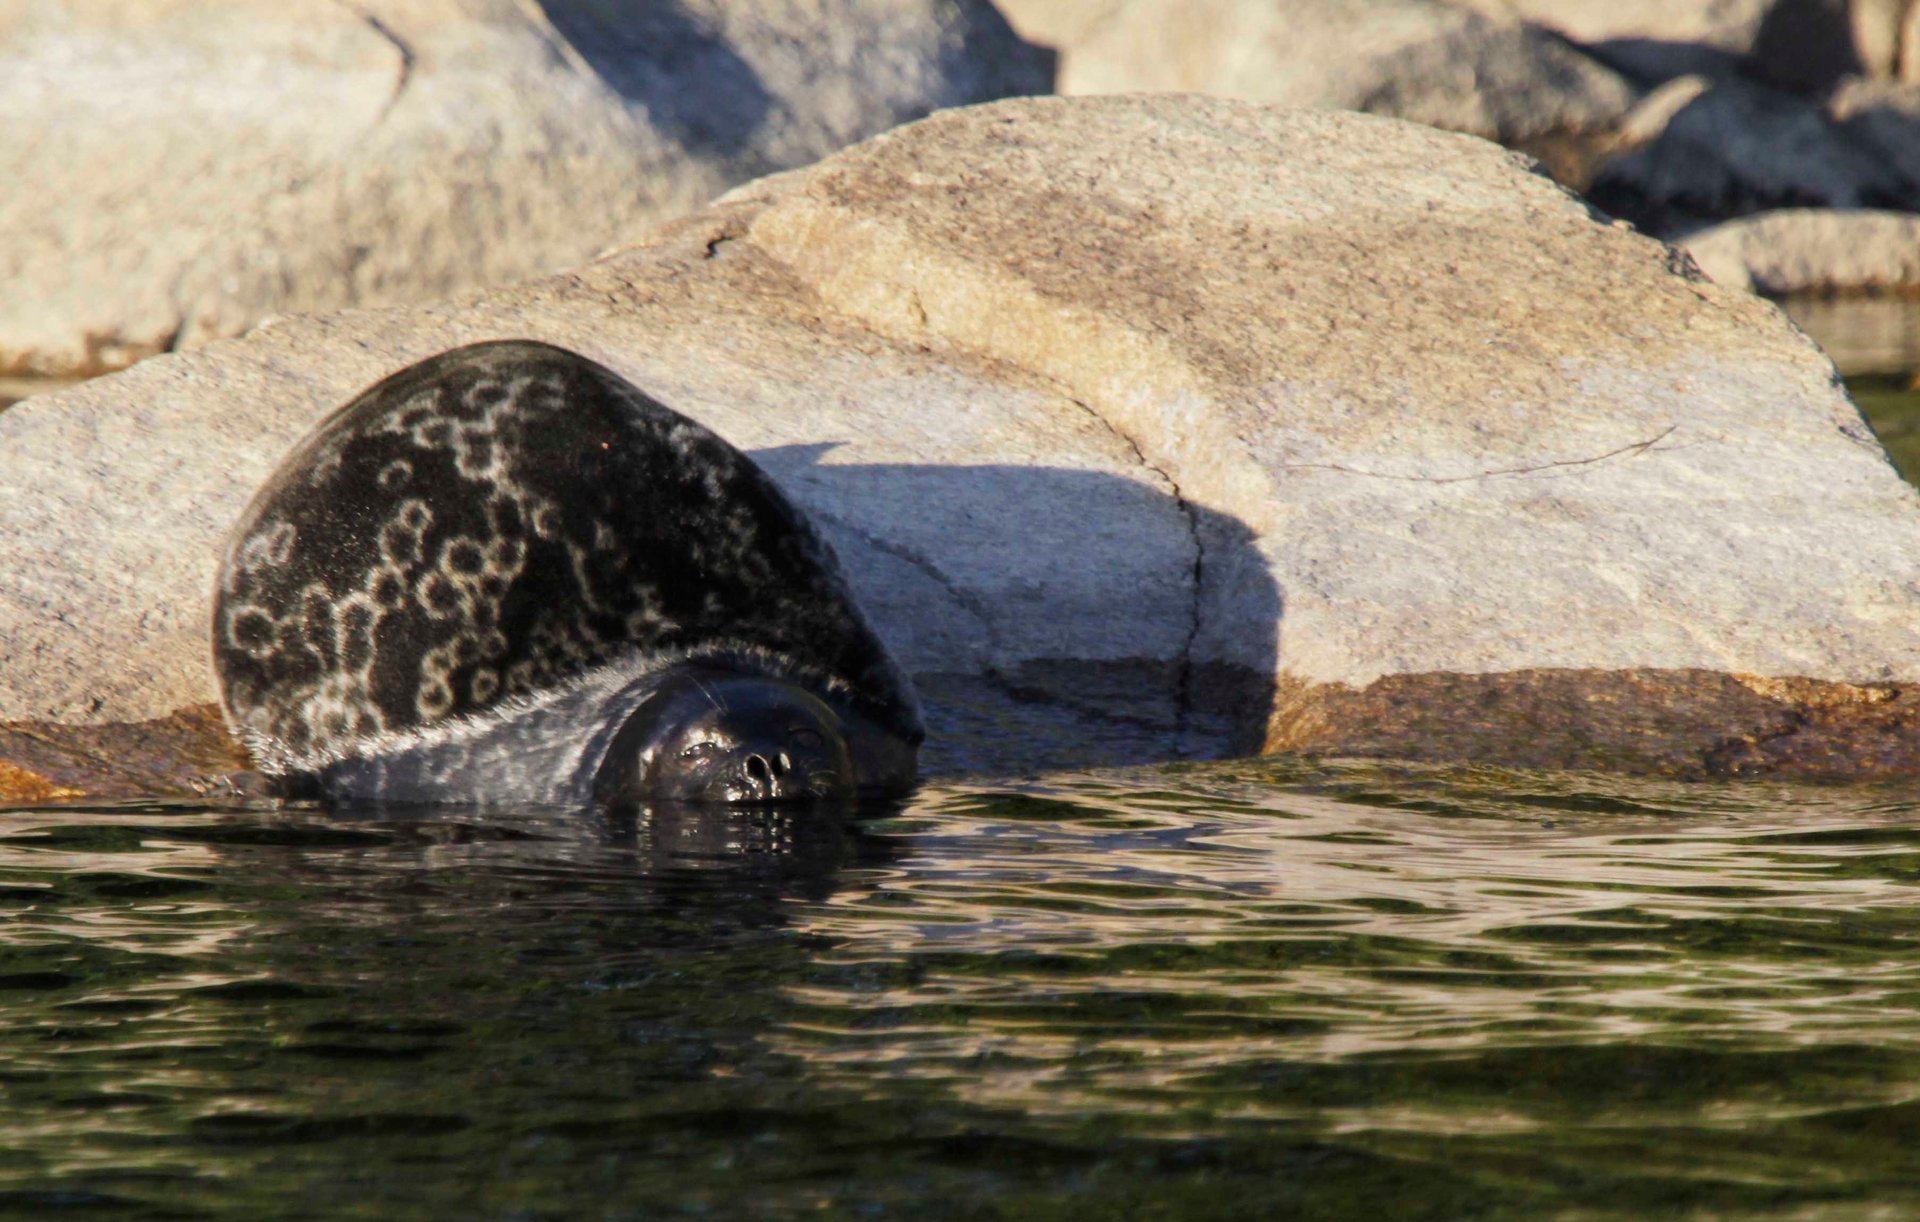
pixel 1229 990
pixel 1861 334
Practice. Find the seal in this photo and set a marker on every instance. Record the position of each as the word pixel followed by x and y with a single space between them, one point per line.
pixel 505 574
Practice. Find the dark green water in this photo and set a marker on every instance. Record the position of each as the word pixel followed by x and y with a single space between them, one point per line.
pixel 1232 990
pixel 1891 402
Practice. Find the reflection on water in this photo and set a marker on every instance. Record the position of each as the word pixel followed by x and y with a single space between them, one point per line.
pixel 1861 334
pixel 1222 990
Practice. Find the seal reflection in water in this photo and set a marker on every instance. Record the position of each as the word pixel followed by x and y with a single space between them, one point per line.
pixel 507 575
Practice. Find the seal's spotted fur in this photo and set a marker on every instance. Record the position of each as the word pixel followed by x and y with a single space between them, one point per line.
pixel 489 527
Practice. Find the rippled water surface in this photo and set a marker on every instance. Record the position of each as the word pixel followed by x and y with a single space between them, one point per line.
pixel 1231 990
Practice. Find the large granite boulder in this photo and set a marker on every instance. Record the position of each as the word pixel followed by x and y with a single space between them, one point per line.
pixel 176 172
pixel 1201 423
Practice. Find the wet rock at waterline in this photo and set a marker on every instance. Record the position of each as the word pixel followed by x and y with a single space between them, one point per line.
pixel 179 172
pixel 1209 425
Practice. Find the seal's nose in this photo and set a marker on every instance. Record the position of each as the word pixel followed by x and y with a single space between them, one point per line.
pixel 765 773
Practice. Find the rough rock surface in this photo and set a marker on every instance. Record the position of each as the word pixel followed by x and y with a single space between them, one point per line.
pixel 1423 60
pixel 1802 250
pixel 176 171
pixel 1340 433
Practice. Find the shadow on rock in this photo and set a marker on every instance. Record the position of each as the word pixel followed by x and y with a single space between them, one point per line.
pixel 1805 46
pixel 1053 618
pixel 648 52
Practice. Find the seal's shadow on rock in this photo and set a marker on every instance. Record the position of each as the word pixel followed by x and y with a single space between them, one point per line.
pixel 1052 618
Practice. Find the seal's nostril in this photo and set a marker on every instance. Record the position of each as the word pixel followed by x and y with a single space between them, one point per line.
pixel 757 769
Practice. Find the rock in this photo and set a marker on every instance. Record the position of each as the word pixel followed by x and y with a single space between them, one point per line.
pixel 1423 60
pixel 1878 30
pixel 1805 47
pixel 1907 41
pixel 178 172
pixel 1654 40
pixel 1201 420
pixel 1808 46
pixel 1810 250
pixel 1882 117
pixel 1058 23
pixel 185 752
pixel 1698 151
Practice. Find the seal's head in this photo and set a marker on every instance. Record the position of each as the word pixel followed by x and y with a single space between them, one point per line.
pixel 711 735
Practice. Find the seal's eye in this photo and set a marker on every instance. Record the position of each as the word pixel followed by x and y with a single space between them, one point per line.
pixel 694 751
pixel 804 737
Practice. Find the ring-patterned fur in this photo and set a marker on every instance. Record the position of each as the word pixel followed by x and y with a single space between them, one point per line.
pixel 497 521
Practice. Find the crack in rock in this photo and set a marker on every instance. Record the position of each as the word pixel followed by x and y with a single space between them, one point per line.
pixel 1183 672
pixel 1011 688
pixel 971 603
pixel 1633 450
pixel 405 76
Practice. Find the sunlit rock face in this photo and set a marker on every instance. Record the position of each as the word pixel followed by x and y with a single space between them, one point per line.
pixel 177 172
pixel 1462 66
pixel 1190 424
